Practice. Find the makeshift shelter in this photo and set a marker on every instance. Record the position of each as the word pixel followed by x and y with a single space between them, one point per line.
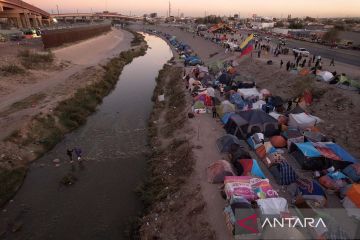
pixel 353 172
pixel 217 171
pixel 211 91
pixel 225 107
pixel 308 190
pixel 226 117
pixel 234 124
pixel 239 153
pixel 248 92
pixel 272 207
pixel 224 78
pixel 303 120
pixel 250 167
pixel 325 76
pixel 254 121
pixel 283 173
pixel 227 141
pixel 308 156
pixel 237 100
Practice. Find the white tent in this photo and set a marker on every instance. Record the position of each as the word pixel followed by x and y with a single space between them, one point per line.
pixel 272 206
pixel 211 91
pixel 303 120
pixel 325 75
pixel 248 92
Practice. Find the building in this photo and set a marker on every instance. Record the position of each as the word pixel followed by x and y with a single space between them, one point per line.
pixel 20 14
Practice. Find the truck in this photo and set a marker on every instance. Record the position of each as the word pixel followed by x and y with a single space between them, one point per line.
pixel 301 51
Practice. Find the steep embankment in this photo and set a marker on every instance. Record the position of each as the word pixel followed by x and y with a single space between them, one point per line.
pixel 44 131
pixel 174 207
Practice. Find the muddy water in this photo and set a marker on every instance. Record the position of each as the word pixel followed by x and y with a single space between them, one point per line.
pixel 113 141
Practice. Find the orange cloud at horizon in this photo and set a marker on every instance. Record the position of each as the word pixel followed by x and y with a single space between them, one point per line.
pixel 274 8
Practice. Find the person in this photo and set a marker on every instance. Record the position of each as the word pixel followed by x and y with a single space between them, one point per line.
pixel 303 63
pixel 309 63
pixel 78 153
pixel 281 63
pixel 314 58
pixel 288 66
pixel 221 89
pixel 259 53
pixel 332 63
pixel 214 114
pixel 70 154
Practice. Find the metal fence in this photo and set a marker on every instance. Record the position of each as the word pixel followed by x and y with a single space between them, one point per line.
pixel 58 37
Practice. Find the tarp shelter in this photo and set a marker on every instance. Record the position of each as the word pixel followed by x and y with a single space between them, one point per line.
pixel 342 153
pixel 225 143
pixel 237 100
pixel 217 171
pixel 248 92
pixel 251 168
pixel 226 116
pixel 224 78
pixel 308 156
pixel 324 76
pixel 225 107
pixel 303 120
pixel 272 206
pixel 234 125
pixel 257 121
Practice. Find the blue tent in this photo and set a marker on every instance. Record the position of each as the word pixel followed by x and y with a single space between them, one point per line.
pixel 308 149
pixel 342 153
pixel 226 117
pixel 237 100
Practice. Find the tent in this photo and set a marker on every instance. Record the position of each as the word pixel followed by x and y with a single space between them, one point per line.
pixel 308 156
pixel 226 117
pixel 217 171
pixel 283 173
pixel 224 78
pixel 234 125
pixel 225 142
pixel 324 76
pixel 211 91
pixel 250 167
pixel 275 101
pixel 303 120
pixel 248 92
pixel 239 153
pixel 237 100
pixel 257 121
pixel 225 107
pixel 272 206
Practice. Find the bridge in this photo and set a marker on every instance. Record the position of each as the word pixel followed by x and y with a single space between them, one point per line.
pixel 77 17
pixel 23 15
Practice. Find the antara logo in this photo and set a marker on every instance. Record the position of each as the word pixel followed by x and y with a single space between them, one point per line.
pixel 293 222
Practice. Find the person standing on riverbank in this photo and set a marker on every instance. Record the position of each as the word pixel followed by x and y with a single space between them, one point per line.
pixel 281 63
pixel 78 153
pixel 70 154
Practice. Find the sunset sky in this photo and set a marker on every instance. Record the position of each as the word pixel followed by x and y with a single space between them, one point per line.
pixel 273 8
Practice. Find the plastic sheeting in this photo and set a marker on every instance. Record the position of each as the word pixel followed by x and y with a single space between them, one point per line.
pixel 303 120
pixel 272 206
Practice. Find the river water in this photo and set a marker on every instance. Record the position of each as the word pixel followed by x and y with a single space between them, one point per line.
pixel 113 141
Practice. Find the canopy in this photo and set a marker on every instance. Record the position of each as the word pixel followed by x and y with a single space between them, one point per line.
pixel 308 149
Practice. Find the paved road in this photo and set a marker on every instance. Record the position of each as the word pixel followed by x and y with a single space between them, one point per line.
pixel 340 55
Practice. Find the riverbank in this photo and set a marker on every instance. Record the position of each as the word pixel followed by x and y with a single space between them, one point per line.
pixel 46 129
pixel 174 205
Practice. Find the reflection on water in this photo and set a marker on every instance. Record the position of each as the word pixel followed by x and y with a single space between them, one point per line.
pixel 113 142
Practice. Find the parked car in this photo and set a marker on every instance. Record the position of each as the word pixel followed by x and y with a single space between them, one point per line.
pixel 301 51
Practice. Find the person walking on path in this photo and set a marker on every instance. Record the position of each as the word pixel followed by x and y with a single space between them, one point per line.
pixel 70 154
pixel 281 63
pixel 332 63
pixel 214 114
pixel 303 63
pixel 259 53
pixel 314 58
pixel 288 66
pixel 78 153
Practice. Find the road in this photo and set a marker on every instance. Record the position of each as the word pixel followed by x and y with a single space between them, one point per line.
pixel 340 55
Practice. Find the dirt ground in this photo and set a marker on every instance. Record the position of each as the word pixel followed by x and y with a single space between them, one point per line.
pixel 336 107
pixel 75 66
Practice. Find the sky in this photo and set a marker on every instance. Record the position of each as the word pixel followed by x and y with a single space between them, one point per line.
pixel 246 8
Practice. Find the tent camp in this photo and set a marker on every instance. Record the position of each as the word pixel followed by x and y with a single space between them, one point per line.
pixel 308 156
pixel 237 100
pixel 217 171
pixel 225 143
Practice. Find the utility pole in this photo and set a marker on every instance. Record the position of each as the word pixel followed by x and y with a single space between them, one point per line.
pixel 169 8
pixel 57 7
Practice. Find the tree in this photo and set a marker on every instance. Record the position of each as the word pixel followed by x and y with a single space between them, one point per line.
pixel 310 19
pixel 331 36
pixel 279 24
pixel 296 25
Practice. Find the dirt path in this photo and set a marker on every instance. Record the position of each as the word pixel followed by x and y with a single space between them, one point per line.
pixel 82 59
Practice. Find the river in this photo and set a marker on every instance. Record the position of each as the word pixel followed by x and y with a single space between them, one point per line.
pixel 113 141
